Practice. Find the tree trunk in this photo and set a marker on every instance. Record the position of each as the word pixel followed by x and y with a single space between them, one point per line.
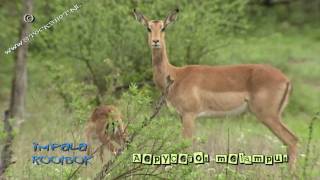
pixel 18 93
pixel 6 152
pixel 19 82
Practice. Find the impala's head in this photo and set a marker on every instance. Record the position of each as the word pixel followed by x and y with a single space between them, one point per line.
pixel 156 28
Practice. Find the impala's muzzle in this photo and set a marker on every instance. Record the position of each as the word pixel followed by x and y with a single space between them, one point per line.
pixel 155 44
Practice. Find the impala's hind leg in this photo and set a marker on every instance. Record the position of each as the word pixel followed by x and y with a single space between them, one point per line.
pixel 90 133
pixel 101 152
pixel 285 135
pixel 106 141
pixel 268 106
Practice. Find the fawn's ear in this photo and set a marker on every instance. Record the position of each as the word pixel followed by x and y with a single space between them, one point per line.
pixel 171 17
pixel 140 17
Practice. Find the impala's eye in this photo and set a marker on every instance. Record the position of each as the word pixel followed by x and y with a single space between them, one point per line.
pixel 163 29
pixel 148 29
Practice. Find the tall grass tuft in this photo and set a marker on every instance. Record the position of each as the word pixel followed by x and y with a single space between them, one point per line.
pixel 306 163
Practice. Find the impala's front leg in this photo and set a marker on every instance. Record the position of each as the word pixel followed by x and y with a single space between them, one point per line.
pixel 188 125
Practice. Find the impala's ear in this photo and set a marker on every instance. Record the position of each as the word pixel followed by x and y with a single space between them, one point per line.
pixel 171 17
pixel 140 17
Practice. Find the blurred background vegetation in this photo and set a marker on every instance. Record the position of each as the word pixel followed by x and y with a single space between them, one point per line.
pixel 93 55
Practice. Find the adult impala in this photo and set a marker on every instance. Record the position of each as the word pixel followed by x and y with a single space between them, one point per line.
pixel 201 90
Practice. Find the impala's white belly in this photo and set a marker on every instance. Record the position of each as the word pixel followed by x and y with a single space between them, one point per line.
pixel 236 111
pixel 222 103
pixel 207 103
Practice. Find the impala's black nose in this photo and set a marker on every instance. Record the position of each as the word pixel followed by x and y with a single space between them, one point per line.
pixel 155 41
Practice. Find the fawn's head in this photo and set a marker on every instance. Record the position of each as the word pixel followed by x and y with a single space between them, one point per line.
pixel 156 28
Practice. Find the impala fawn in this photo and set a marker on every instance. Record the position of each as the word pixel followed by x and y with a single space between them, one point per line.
pixel 106 126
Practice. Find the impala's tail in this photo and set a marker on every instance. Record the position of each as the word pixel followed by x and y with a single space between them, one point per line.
pixel 285 97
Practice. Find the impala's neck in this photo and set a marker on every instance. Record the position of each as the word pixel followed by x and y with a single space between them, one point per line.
pixel 161 66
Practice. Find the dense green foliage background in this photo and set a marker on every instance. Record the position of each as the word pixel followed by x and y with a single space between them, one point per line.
pixel 92 56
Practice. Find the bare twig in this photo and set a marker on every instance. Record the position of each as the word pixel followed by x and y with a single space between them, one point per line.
pixel 208 51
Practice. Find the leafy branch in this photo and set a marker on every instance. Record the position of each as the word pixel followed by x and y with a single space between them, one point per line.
pixel 106 168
